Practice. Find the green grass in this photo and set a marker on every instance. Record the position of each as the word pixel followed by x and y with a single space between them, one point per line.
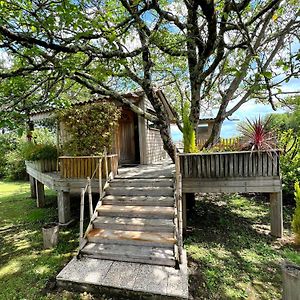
pixel 231 254
pixel 26 269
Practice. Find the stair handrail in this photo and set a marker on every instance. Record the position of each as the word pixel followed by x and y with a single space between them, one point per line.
pixel 88 187
pixel 178 198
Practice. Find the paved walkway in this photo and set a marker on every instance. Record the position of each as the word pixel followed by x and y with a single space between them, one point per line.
pixel 131 279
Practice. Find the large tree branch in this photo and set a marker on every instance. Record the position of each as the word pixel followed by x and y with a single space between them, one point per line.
pixel 84 79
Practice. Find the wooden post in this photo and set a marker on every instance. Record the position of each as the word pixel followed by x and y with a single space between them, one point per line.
pixel 100 178
pixel 63 204
pixel 40 194
pixel 184 214
pixel 276 214
pixel 32 187
pixel 106 164
pixel 90 197
pixel 81 213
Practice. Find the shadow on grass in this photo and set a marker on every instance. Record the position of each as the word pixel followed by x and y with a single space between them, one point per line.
pixel 231 254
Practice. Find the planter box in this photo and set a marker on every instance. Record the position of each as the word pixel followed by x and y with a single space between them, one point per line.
pixel 291 281
pixel 230 164
pixel 45 165
pixel 86 166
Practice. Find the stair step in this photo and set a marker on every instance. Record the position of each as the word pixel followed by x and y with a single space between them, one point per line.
pixel 137 191
pixel 138 200
pixel 141 224
pixel 130 253
pixel 143 182
pixel 156 212
pixel 142 238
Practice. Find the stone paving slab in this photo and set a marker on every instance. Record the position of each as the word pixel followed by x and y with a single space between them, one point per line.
pixel 139 278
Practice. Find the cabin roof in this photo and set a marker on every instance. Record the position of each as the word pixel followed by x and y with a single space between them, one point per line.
pixel 135 97
pixel 206 120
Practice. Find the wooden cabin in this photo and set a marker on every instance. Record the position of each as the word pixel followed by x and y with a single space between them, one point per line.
pixel 136 140
pixel 204 129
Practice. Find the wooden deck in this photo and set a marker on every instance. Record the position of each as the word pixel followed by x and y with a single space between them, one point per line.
pixel 235 172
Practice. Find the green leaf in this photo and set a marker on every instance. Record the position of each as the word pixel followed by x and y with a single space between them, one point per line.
pixel 267 74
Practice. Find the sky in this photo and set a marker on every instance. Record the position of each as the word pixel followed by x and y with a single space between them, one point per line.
pixel 250 110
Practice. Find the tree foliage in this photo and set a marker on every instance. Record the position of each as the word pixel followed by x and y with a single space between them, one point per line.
pixel 288 133
pixel 210 53
pixel 296 216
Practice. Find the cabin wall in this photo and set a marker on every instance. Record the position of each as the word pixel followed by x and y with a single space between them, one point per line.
pixel 155 150
pixel 152 144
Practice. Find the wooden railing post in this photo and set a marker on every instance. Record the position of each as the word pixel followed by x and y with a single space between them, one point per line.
pixel 81 212
pixel 106 164
pixel 178 205
pixel 90 197
pixel 100 178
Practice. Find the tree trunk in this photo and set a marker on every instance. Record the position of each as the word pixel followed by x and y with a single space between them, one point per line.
pixel 215 133
pixel 30 126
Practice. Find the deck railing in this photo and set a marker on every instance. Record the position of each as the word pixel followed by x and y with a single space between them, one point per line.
pixel 84 166
pixel 106 167
pixel 230 164
pixel 178 203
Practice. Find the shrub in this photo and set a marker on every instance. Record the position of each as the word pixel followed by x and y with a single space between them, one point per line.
pixel 15 168
pixel 90 127
pixel 15 149
pixel 258 135
pixel 289 142
pixel 296 216
pixel 8 142
pixel 32 151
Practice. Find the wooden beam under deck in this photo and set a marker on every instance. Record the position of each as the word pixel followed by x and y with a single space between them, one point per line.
pixel 232 185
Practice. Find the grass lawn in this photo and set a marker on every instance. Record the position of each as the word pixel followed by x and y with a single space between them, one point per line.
pixel 231 254
pixel 27 271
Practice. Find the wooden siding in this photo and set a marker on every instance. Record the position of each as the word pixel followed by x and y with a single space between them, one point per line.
pixel 155 150
pixel 230 164
pixel 84 166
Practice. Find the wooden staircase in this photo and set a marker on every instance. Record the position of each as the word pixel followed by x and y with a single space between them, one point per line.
pixel 135 222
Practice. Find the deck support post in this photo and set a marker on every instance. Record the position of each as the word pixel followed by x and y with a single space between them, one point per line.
pixel 63 205
pixel 32 187
pixel 40 194
pixel 184 213
pixel 276 214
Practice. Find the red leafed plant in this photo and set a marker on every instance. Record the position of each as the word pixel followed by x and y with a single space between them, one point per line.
pixel 258 135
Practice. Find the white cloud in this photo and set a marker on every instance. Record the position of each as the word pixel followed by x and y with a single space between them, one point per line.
pixel 5 60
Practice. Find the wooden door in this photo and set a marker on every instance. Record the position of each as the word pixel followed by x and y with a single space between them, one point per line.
pixel 127 140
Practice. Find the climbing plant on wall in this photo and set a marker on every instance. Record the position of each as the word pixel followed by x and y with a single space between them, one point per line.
pixel 89 127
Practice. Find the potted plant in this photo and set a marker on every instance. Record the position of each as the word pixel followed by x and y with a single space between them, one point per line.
pixel 50 235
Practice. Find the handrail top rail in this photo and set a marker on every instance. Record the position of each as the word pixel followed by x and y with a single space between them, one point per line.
pixel 88 156
pixel 230 152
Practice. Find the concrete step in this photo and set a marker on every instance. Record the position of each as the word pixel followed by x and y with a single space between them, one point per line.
pixel 138 238
pixel 138 200
pixel 141 224
pixel 155 212
pixel 130 253
pixel 140 191
pixel 142 182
